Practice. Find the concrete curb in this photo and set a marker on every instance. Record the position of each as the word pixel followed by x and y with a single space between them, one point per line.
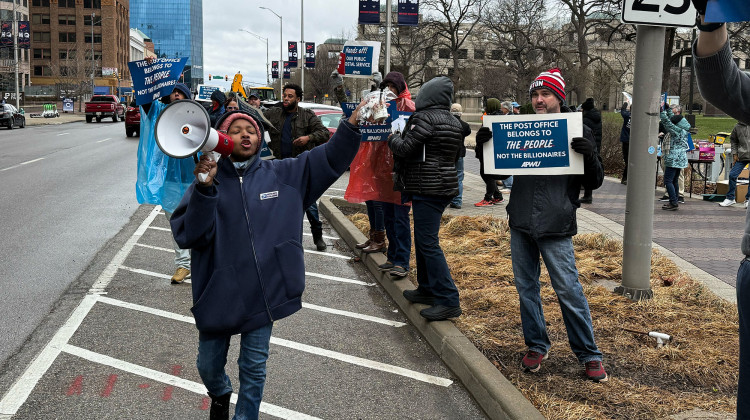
pixel 497 396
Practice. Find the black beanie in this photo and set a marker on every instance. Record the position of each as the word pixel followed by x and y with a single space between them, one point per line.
pixel 397 79
pixel 588 104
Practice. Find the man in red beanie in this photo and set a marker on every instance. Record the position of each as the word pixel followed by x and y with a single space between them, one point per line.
pixel 547 230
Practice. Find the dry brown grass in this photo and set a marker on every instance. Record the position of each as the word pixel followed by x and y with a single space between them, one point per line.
pixel 698 369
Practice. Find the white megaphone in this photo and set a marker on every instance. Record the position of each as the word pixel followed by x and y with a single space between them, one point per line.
pixel 184 128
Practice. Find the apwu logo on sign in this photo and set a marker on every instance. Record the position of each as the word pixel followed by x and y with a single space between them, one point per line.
pixel 659 12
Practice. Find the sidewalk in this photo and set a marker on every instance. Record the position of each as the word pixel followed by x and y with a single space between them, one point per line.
pixel 62 119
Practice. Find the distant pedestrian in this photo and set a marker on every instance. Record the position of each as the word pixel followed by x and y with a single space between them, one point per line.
pixel 492 194
pixel 740 141
pixel 542 221
pixel 625 139
pixel 592 118
pixel 457 111
pixel 217 106
pixel 676 159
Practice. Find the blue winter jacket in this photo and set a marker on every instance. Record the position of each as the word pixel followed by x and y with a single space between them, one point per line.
pixel 677 155
pixel 245 233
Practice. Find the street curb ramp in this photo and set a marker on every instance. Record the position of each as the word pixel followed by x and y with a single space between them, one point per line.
pixel 497 396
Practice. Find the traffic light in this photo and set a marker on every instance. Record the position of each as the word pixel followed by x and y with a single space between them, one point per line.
pixel 226 78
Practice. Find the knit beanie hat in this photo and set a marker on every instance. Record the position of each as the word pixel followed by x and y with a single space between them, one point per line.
pixel 588 104
pixel 552 80
pixel 493 105
pixel 457 109
pixel 226 121
pixel 396 78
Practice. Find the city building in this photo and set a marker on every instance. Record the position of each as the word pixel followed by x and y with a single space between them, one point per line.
pixel 176 29
pixel 7 60
pixel 78 46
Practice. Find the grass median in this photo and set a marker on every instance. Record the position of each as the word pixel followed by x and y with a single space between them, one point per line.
pixel 696 370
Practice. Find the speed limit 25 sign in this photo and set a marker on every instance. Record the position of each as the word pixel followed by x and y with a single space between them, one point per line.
pixel 659 12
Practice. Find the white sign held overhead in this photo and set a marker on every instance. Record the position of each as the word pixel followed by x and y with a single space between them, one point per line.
pixel 659 12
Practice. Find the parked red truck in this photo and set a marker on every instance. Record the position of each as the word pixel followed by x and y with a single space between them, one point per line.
pixel 101 106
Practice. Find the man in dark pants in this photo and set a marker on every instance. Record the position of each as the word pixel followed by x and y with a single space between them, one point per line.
pixel 297 130
pixel 592 118
pixel 718 73
pixel 625 139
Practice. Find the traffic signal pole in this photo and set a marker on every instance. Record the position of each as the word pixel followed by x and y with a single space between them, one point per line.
pixel 639 204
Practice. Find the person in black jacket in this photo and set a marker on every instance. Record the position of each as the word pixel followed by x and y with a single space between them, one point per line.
pixel 592 119
pixel 426 154
pixel 542 220
pixel 218 98
pixel 457 111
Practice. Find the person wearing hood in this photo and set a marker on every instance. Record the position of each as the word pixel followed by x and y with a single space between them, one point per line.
pixel 426 154
pixel 592 118
pixel 492 194
pixel 542 221
pixel 248 268
pixel 676 159
pixel 218 99
pixel 161 179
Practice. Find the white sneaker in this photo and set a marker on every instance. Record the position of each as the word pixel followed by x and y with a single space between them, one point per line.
pixel 727 202
pixel 745 203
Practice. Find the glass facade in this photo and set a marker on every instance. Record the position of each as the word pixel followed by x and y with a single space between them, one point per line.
pixel 176 29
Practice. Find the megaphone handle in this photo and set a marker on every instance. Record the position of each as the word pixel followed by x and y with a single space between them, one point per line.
pixel 202 176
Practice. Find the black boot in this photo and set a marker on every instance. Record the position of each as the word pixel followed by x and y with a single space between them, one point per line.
pixel 220 406
pixel 318 238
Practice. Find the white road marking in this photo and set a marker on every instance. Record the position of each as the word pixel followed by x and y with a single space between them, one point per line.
pixel 328 254
pixel 20 390
pixel 158 248
pixel 333 238
pixel 172 380
pixel 353 315
pixel 160 228
pixel 109 272
pixel 146 272
pixel 333 196
pixel 63 134
pixel 146 309
pixel 371 364
pixel 101 141
pixel 21 164
pixel 359 361
pixel 337 189
pixel 341 279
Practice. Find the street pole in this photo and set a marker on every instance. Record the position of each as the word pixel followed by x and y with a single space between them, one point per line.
pixel 639 204
pixel 388 24
pixel 691 120
pixel 15 53
pixel 93 61
pixel 302 44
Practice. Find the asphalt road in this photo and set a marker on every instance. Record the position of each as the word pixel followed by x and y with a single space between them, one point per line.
pixel 66 191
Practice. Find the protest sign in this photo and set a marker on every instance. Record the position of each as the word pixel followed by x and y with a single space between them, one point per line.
pixel 727 11
pixel 155 80
pixel 533 144
pixel 376 132
pixel 205 91
pixel 359 58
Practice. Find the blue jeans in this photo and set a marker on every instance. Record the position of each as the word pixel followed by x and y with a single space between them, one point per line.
pixel 433 275
pixel 743 309
pixel 671 179
pixel 457 200
pixel 733 174
pixel 313 218
pixel 398 230
pixel 561 264
pixel 508 183
pixel 375 214
pixel 181 256
pixel 212 357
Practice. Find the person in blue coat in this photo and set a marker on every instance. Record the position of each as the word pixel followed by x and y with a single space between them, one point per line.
pixel 676 158
pixel 244 226
pixel 162 180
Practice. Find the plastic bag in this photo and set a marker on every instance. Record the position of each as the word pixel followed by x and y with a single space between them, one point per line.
pixel 375 109
pixel 370 175
pixel 161 179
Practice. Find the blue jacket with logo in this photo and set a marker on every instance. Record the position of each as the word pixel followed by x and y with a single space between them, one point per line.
pixel 245 234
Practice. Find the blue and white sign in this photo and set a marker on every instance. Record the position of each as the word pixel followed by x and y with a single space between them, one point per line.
pixel 533 144
pixel 155 80
pixel 727 11
pixel 376 132
pixel 360 58
pixel 205 91
pixel 67 104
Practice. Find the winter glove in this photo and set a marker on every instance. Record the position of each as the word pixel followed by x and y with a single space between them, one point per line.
pixel 583 146
pixel 700 5
pixel 483 135
pixel 336 79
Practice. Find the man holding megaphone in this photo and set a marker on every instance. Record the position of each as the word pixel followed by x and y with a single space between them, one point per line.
pixel 243 222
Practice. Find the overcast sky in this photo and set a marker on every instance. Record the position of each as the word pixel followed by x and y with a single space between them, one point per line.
pixel 226 50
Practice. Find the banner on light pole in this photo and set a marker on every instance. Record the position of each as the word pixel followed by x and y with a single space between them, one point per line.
pixel 6 35
pixel 292 54
pixel 310 54
pixel 287 70
pixel 274 69
pixel 369 12
pixel 408 12
pixel 24 34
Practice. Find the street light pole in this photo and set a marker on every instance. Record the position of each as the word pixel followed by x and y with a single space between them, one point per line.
pixel 268 80
pixel 15 53
pixel 93 61
pixel 302 44
pixel 281 49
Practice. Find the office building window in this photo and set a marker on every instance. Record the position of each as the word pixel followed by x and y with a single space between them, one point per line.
pixel 42 53
pixel 479 54
pixel 462 53
pixel 43 3
pixel 496 54
pixel 40 19
pixel 40 36
pixel 67 37
pixel 444 53
pixel 68 55
pixel 42 71
pixel 87 21
pixel 66 20
pixel 66 3
pixel 92 4
pixel 97 38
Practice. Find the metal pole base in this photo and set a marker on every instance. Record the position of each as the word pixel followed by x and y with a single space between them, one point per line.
pixel 634 294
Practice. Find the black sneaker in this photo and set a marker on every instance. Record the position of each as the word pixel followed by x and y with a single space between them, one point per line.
pixel 386 266
pixel 398 271
pixel 681 199
pixel 455 206
pixel 440 312
pixel 665 197
pixel 670 207
pixel 586 200
pixel 415 296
